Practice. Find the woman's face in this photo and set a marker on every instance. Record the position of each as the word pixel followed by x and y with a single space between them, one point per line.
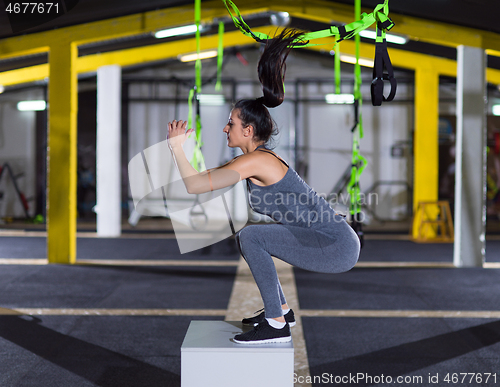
pixel 235 131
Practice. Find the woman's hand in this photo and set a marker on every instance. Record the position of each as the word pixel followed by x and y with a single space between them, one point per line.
pixel 177 134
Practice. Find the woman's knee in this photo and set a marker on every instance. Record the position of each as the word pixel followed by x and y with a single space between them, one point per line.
pixel 351 261
pixel 351 256
pixel 248 239
pixel 342 258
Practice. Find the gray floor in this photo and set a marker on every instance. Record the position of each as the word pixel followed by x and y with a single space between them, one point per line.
pixel 145 350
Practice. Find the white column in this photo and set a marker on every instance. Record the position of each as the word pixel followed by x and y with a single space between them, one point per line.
pixel 470 174
pixel 108 160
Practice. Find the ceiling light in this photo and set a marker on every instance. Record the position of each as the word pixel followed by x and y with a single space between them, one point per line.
pixel 352 59
pixel 194 56
pixel 30 106
pixel 211 99
pixel 280 19
pixel 184 30
pixel 495 109
pixel 390 38
pixel 339 98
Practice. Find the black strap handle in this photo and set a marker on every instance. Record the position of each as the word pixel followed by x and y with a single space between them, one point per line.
pixel 382 62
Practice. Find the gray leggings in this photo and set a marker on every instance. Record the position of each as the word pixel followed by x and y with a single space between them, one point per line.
pixel 334 249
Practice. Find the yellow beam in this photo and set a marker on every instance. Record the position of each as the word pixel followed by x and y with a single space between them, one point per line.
pixel 128 57
pixel 399 58
pixel 492 76
pixel 10 47
pixel 318 10
pixel 24 75
pixel 62 155
pixel 492 52
pixel 79 34
pixel 426 150
pixel 141 23
pixel 159 52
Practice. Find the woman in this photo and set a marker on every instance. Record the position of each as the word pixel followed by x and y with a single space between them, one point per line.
pixel 308 233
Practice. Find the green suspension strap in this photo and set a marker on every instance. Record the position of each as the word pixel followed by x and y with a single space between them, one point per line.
pixel 190 107
pixel 197 161
pixel 343 32
pixel 197 19
pixel 358 161
pixel 337 69
pixel 220 57
pixel 379 15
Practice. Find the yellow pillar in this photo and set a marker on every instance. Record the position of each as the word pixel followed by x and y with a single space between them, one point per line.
pixel 426 147
pixel 62 154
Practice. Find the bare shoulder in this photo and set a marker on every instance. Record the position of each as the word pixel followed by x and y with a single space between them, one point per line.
pixel 260 167
pixel 251 161
pixel 245 165
pixel 259 159
pixel 272 154
pixel 266 167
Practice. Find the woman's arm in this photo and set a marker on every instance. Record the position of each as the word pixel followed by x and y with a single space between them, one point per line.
pixel 206 181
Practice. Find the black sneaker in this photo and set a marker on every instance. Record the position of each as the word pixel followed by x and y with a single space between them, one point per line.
pixel 253 321
pixel 264 333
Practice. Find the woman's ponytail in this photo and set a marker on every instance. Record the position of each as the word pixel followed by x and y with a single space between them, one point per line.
pixel 271 72
pixel 272 67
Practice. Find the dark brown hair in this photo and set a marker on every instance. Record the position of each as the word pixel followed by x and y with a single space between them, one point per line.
pixel 272 66
pixel 271 71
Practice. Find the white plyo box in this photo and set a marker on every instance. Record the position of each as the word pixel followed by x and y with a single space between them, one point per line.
pixel 209 357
